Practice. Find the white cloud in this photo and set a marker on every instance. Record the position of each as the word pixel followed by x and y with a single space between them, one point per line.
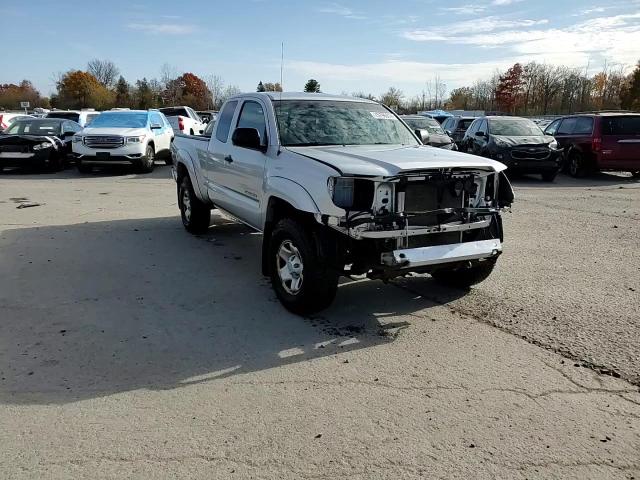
pixel 340 10
pixel 160 28
pixel 504 2
pixel 465 9
pixel 614 38
pixel 457 30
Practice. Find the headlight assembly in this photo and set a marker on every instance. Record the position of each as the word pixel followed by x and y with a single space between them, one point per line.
pixel 42 146
pixel 553 145
pixel 77 139
pixel 139 139
pixel 352 193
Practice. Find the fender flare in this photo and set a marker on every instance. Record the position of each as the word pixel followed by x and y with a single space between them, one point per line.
pixel 182 157
pixel 291 192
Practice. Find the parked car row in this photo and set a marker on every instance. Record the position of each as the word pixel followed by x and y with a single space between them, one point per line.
pixel 116 137
pixel 581 144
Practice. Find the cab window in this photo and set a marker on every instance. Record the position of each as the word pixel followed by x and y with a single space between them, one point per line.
pixel 567 125
pixel 252 116
pixel 224 123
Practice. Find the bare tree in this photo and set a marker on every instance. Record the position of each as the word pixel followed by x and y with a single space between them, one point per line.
pixel 104 70
pixel 215 84
pixel 228 92
pixel 392 98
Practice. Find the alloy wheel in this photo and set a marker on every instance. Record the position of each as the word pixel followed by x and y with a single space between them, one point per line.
pixel 290 267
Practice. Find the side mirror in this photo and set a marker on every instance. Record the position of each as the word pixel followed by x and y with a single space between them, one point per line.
pixel 156 126
pixel 422 135
pixel 247 138
pixel 448 132
pixel 68 134
pixel 481 134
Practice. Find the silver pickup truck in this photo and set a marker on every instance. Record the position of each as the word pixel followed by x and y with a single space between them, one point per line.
pixel 341 186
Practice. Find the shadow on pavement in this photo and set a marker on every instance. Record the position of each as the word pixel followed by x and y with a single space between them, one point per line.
pixel 161 171
pixel 600 179
pixel 94 309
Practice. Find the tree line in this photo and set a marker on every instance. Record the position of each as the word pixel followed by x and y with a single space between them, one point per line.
pixel 530 89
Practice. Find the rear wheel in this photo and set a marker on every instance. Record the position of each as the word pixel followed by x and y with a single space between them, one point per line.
pixel 56 163
pixel 196 215
pixel 304 283
pixel 465 277
pixel 578 167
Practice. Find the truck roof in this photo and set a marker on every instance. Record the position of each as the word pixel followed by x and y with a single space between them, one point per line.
pixel 305 96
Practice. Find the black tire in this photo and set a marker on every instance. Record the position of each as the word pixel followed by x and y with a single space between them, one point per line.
pixel 82 167
pixel 577 165
pixel 56 163
pixel 635 174
pixel 168 159
pixel 196 215
pixel 147 163
pixel 318 281
pixel 464 278
pixel 550 176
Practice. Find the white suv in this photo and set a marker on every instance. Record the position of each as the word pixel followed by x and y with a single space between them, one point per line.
pixel 124 137
pixel 83 117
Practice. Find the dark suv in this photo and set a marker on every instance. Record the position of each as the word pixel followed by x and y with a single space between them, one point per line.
pixel 599 141
pixel 517 142
pixel 456 127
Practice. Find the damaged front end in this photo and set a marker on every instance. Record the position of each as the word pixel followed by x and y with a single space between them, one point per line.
pixel 419 221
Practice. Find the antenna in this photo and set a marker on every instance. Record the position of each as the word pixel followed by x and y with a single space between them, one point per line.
pixel 281 88
pixel 281 69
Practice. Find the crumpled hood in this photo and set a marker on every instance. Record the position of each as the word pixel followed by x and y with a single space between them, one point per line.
pixel 121 132
pixel 390 160
pixel 513 141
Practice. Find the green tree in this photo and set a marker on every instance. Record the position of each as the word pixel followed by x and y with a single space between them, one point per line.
pixel 145 98
pixel 123 93
pixel 630 95
pixel 261 87
pixel 312 86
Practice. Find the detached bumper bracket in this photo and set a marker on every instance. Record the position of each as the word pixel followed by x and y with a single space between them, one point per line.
pixel 457 252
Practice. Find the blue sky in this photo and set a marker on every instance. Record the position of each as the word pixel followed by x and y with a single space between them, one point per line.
pixel 363 45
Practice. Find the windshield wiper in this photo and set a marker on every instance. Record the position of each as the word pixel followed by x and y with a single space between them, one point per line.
pixel 313 144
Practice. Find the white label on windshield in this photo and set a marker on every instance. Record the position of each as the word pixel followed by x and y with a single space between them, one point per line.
pixel 383 115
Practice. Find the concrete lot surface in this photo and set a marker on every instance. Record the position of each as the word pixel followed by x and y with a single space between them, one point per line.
pixel 131 349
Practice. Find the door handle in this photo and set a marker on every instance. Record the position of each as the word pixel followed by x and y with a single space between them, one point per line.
pixel 228 159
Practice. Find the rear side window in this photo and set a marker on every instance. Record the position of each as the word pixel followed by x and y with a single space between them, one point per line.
pixel 224 123
pixel 464 124
pixel 628 125
pixel 567 126
pixel 252 116
pixel 583 126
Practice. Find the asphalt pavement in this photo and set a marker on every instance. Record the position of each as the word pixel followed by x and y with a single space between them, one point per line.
pixel 131 349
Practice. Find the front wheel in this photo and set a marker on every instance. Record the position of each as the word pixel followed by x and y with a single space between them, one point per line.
pixel 464 278
pixel 304 283
pixel 196 215
pixel 147 163
pixel 550 176
pixel 83 167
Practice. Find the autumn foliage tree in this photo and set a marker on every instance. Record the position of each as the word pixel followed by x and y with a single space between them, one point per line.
pixel 11 95
pixel 630 95
pixel 78 89
pixel 509 89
